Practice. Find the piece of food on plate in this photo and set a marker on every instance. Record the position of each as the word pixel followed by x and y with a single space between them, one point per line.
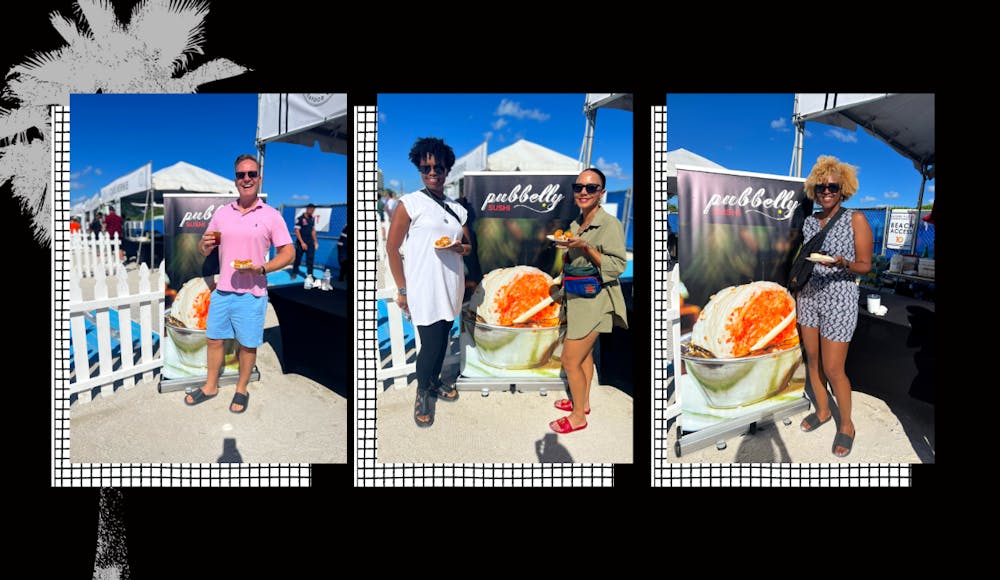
pixel 443 242
pixel 242 264
pixel 506 293
pixel 821 256
pixel 190 307
pixel 736 317
pixel 562 236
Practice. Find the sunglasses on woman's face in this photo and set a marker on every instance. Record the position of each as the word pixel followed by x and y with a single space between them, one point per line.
pixel 591 187
pixel 426 169
pixel 831 187
pixel 250 174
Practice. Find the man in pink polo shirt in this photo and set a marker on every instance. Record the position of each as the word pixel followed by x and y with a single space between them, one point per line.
pixel 239 301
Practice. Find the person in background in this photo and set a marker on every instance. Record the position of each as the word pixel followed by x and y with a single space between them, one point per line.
pixel 344 257
pixel 113 225
pixel 74 225
pixel 827 306
pixel 391 204
pixel 305 240
pixel 97 226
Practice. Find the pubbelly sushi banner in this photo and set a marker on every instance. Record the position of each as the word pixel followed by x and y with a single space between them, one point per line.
pixel 512 215
pixel 190 278
pixel 738 233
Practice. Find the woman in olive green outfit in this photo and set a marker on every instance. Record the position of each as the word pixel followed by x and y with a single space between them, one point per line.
pixel 599 240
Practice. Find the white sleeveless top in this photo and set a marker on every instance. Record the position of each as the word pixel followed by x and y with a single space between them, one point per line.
pixel 435 279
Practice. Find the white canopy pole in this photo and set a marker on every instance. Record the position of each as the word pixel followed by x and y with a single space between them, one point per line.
pixel 800 127
pixel 588 137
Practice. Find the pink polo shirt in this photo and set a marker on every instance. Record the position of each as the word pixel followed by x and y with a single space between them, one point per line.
pixel 246 236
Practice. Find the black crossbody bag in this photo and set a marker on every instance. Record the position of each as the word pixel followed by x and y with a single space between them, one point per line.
pixel 801 267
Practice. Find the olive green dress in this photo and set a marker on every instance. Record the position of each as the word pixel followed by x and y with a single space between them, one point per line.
pixel 600 313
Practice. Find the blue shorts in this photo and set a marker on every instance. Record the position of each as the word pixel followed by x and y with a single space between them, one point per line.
pixel 237 315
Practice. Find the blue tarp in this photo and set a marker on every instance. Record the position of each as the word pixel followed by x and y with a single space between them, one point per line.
pixel 92 347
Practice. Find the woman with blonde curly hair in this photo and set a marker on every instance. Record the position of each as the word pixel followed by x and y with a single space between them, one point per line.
pixel 827 306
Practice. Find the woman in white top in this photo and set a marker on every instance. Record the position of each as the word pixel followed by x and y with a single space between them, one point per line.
pixel 431 280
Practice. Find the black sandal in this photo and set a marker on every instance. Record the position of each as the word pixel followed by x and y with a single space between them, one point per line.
pixel 812 422
pixel 198 397
pixel 446 393
pixel 422 408
pixel 239 399
pixel 842 440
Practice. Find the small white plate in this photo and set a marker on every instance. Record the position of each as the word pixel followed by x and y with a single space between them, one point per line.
pixel 552 238
pixel 233 266
pixel 452 245
pixel 823 260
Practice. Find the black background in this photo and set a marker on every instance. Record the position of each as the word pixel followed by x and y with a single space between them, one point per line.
pixel 366 49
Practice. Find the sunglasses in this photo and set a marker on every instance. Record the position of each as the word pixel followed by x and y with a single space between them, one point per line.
pixel 831 187
pixel 250 174
pixel 591 187
pixel 426 169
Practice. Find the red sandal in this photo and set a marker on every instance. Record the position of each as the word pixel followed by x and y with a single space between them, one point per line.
pixel 562 425
pixel 567 405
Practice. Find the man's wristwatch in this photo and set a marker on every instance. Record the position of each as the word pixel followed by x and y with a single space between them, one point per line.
pixel 401 291
pixel 263 270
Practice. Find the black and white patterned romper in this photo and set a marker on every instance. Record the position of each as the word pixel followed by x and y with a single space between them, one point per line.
pixel 829 300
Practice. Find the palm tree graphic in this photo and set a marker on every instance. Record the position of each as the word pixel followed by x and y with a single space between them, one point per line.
pixel 151 53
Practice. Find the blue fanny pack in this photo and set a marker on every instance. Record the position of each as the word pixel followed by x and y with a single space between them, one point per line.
pixel 585 281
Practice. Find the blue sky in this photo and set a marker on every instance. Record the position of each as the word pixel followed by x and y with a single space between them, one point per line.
pixel 754 132
pixel 464 121
pixel 112 135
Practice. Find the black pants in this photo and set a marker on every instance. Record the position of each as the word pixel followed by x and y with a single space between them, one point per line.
pixel 433 346
pixel 310 255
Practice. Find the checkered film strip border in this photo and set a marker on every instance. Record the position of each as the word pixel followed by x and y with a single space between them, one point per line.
pixel 67 474
pixel 60 290
pixel 667 474
pixel 785 475
pixel 661 352
pixel 365 316
pixel 368 472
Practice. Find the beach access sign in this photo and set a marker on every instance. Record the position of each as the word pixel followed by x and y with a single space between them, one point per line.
pixel 735 228
pixel 901 226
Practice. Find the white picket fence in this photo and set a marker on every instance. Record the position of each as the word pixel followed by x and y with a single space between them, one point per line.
pixel 89 253
pixel 104 373
pixel 397 368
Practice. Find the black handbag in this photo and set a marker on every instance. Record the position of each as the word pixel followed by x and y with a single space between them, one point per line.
pixel 802 268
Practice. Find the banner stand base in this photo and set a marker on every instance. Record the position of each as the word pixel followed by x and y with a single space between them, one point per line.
pixel 512 384
pixel 718 434
pixel 173 385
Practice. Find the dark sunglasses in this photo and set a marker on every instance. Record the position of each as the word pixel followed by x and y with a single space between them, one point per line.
pixel 832 187
pixel 426 169
pixel 250 174
pixel 591 187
